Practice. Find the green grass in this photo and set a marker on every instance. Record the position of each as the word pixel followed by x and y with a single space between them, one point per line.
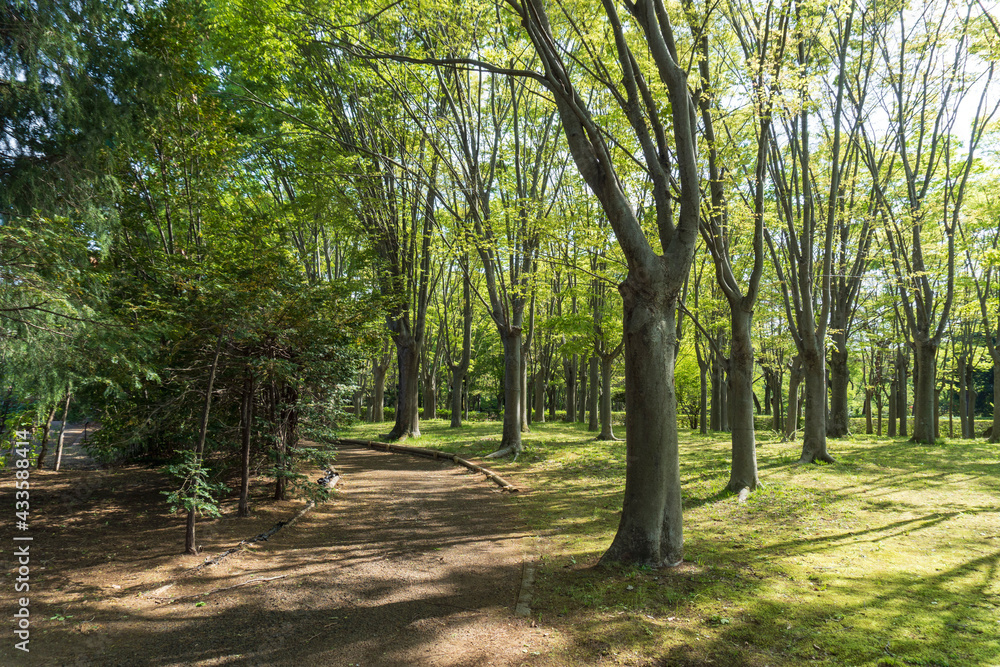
pixel 891 556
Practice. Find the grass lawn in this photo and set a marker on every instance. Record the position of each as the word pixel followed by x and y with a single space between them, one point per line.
pixel 891 556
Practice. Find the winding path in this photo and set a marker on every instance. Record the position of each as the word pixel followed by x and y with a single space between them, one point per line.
pixel 414 562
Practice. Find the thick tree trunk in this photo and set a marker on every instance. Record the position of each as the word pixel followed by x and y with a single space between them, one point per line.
pixel 430 398
pixel 540 389
pixel 925 379
pixel 246 428
pixel 593 423
pixel 814 426
pixel 510 441
pixel 743 474
pixel 650 528
pixel 840 378
pixel 407 403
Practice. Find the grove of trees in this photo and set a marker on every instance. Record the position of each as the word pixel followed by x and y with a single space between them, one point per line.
pixel 229 227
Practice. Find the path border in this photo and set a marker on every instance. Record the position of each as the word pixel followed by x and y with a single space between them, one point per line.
pixel 434 454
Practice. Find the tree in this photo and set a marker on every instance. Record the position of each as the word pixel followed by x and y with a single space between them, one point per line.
pixel 756 39
pixel 928 79
pixel 650 528
pixel 807 239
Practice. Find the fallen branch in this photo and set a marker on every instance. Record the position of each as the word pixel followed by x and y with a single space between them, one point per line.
pixel 434 454
pixel 330 480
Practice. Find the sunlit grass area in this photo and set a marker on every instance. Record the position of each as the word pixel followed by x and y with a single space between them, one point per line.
pixel 888 557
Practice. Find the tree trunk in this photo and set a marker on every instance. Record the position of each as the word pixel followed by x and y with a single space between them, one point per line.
pixel 650 529
pixel 716 424
pixel 246 428
pixel 778 421
pixel 703 399
pixel 892 408
pixel 869 427
pixel 457 380
pixel 522 401
pixel 46 429
pixel 593 395
pixel 607 428
pixel 407 402
pixel 570 367
pixel 378 394
pixel 814 426
pixel 995 429
pixel 878 403
pixel 963 396
pixel 743 474
pixel 925 379
pixel 902 404
pixel 970 388
pixel 62 430
pixel 937 411
pixel 510 441
pixel 190 547
pixel 840 378
pixel 540 388
pixel 581 394
pixel 794 379
pixel 724 408
pixel 430 397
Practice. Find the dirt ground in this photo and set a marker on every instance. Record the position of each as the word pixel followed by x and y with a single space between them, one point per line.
pixel 413 562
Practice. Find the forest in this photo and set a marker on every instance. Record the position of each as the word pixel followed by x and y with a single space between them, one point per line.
pixel 675 259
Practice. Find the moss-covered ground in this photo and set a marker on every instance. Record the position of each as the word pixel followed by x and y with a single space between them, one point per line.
pixel 891 556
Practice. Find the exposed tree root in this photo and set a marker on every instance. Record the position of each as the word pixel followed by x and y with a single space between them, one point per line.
pixel 741 490
pixel 816 458
pixel 506 451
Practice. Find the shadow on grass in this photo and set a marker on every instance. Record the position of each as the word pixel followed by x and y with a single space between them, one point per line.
pixel 846 564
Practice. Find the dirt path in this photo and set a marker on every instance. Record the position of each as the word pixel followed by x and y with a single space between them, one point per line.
pixel 415 562
pixel 74 457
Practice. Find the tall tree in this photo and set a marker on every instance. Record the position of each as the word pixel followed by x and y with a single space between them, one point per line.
pixel 928 78
pixel 650 529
